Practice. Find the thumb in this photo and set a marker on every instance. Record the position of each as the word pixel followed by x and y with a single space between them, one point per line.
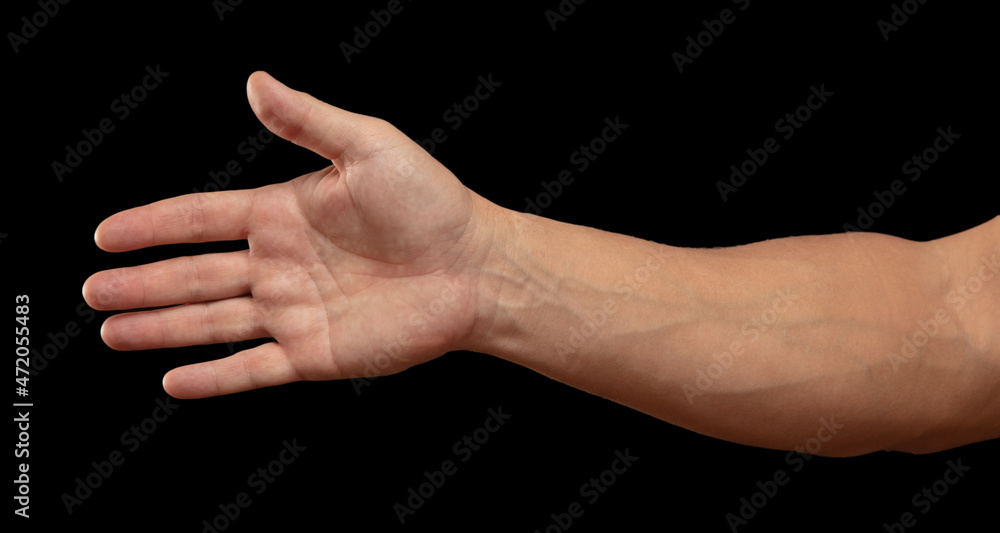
pixel 306 121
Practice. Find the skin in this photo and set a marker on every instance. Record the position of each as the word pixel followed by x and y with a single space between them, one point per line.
pixel 384 260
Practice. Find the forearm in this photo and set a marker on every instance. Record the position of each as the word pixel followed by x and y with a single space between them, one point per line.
pixel 753 344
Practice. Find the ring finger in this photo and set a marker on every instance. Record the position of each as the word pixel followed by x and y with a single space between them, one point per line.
pixel 230 320
pixel 175 281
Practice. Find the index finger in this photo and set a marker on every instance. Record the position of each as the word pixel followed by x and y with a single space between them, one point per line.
pixel 191 218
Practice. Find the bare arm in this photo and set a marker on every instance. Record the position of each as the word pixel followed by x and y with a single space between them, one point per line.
pixel 384 260
pixel 756 344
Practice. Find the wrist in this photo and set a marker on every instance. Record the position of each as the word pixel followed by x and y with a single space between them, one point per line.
pixel 503 285
pixel 971 261
pixel 558 297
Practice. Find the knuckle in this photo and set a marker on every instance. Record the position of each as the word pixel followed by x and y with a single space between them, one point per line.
pixel 249 373
pixel 208 325
pixel 254 321
pixel 192 279
pixel 196 218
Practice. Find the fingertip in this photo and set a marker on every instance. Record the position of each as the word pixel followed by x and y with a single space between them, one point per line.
pixel 108 335
pixel 109 235
pixel 190 382
pixel 100 235
pixel 105 333
pixel 254 81
pixel 89 292
pixel 164 384
pixel 171 385
pixel 261 87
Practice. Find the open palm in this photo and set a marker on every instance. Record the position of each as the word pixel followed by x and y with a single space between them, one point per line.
pixel 366 267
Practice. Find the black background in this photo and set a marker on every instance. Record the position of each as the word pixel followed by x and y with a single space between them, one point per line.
pixel 657 181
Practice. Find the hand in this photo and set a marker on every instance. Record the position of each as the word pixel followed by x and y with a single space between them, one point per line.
pixel 368 266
